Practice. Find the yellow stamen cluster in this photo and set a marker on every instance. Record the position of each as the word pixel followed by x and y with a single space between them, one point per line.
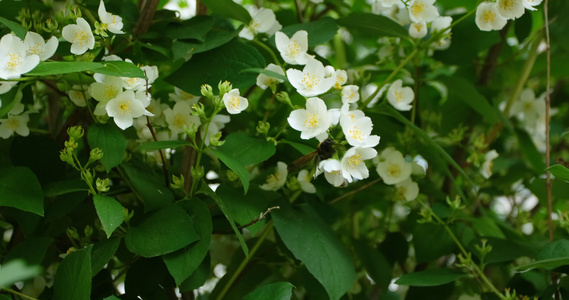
pixel 312 120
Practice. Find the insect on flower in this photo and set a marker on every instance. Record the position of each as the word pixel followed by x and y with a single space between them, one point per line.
pixel 325 150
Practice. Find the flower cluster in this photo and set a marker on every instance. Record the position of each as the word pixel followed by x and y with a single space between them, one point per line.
pixel 494 15
pixel 394 169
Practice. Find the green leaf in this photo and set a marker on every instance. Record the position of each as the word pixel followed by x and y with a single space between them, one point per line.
pixel 182 263
pixel 17 270
pixel 555 249
pixel 530 151
pixel 198 278
pixel 266 72
pixel 319 31
pixel 229 9
pixel 110 212
pixel 161 232
pixel 459 88
pixel 73 276
pixel 20 188
pixel 271 291
pixel 206 190
pixel 241 150
pixel 102 253
pixel 152 146
pixel 222 63
pixel 375 263
pixel 313 242
pixel 195 28
pixel 31 250
pixel 559 171
pixel 109 138
pixel 423 237
pixel 9 99
pixel 151 189
pixel 430 277
pixel 214 39
pixel 18 29
pixel 547 264
pixel 59 188
pixel 373 25
pixel 111 68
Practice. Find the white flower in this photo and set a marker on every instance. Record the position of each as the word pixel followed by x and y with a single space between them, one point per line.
pixel 311 81
pixel 6 86
pixel 304 181
pixel 264 81
pixel 103 91
pixel 332 169
pixel 353 166
pixel 13 58
pixel 341 78
pixel 440 24
pixel 393 168
pixel 216 124
pixel 418 30
pixel 348 117
pixel 358 133
pixel 529 4
pixel 528 109
pixel 234 103
pixel 293 50
pixel 276 180
pixel 387 3
pixel 113 22
pixel 79 94
pixel 422 10
pixel 407 189
pixel 35 44
pixel 181 95
pixel 311 121
pixel 486 169
pixel 17 124
pixel 400 97
pixel 488 18
pixel 510 9
pixel 124 108
pixel 350 94
pixel 263 21
pixel 397 12
pixel 180 116
pixel 80 36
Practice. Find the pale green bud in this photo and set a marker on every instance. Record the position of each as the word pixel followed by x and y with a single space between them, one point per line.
pixel 198 110
pixel 72 233
pixel 207 91
pixel 102 185
pixel 197 172
pixel 214 140
pixel 224 87
pixel 263 127
pixel 88 231
pixel 75 132
pixel 95 154
pixel 232 176
pixel 71 143
pixel 284 98
pixel 177 182
pixel 191 130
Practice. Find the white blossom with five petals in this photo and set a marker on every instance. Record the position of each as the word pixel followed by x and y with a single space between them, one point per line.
pixel 113 22
pixel 293 50
pixel 313 120
pixel 312 80
pixel 400 97
pixel 353 165
pixel 14 61
pixel 80 36
pixel 234 103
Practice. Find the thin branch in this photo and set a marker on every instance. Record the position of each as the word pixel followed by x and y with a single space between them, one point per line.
pixel 361 188
pixel 547 116
pixel 260 218
pixel 164 167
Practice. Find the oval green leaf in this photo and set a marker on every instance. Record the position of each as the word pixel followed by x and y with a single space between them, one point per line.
pixel 313 242
pixel 111 68
pixel 161 232
pixel 17 270
pixel 109 138
pixel 271 291
pixel 229 9
pixel 373 25
pixel 20 188
pixel 149 187
pixel 431 277
pixel 110 212
pixel 559 171
pixel 73 277
pixel 319 31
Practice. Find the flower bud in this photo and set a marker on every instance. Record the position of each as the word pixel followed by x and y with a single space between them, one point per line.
pixel 224 87
pixel 232 176
pixel 263 127
pixel 198 110
pixel 71 144
pixel 284 98
pixel 95 154
pixel 191 130
pixel 214 140
pixel 197 172
pixel 75 132
pixel 72 233
pixel 207 91
pixel 66 155
pixel 177 182
pixel 102 185
pixel 88 231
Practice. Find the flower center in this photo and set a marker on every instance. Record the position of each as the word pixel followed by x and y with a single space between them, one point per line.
pixel 507 4
pixel 394 170
pixel 15 61
pixel 274 178
pixel 131 82
pixel 310 81
pixel 13 124
pixel 234 102
pixel 488 16
pixel 355 160
pixel 124 107
pixel 179 120
pixel 418 26
pixel 417 9
pixel 35 49
pixel 357 134
pixel 398 96
pixel 311 120
pixel 80 37
pixel 293 48
pixel 110 92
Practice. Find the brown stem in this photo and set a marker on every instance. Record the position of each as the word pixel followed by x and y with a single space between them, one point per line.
pixel 164 167
pixel 491 59
pixel 147 9
pixel 547 116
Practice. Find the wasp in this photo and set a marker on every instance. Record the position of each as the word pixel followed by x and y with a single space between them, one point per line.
pixel 325 150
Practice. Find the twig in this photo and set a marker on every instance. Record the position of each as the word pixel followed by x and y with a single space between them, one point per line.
pixel 164 167
pixel 260 218
pixel 547 116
